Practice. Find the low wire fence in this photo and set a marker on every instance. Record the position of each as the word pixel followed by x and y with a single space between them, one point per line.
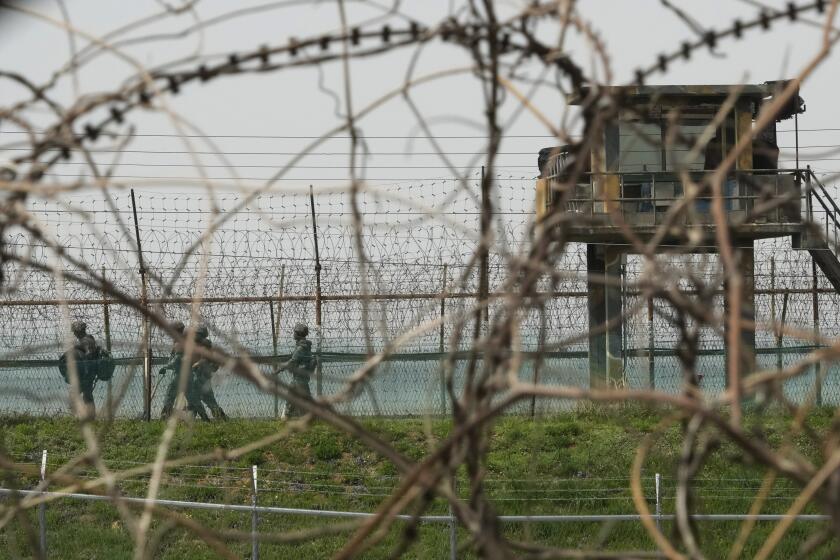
pixel 314 495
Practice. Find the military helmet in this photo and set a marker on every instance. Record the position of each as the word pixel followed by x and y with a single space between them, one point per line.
pixel 78 326
pixel 177 326
pixel 301 330
pixel 8 171
pixel 202 330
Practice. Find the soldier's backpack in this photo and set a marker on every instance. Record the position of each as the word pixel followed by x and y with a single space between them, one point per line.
pixel 83 367
pixel 105 365
pixel 62 367
pixel 101 367
pixel 306 360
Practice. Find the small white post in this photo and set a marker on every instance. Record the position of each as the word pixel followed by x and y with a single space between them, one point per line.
pixel 42 509
pixel 658 501
pixel 255 546
pixel 453 528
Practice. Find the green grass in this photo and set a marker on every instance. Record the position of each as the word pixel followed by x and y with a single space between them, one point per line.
pixel 566 464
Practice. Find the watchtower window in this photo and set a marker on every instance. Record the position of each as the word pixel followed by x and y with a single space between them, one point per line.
pixel 639 147
pixel 664 145
pixel 681 152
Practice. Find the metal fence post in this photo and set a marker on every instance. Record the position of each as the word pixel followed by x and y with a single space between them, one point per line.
pixel 780 336
pixel 255 546
pixel 773 308
pixel 622 281
pixel 484 256
pixel 106 316
pixel 273 351
pixel 147 333
pixel 442 343
pixel 651 345
pixel 42 509
pixel 538 360
pixel 816 309
pixel 657 480
pixel 318 373
pixel 275 332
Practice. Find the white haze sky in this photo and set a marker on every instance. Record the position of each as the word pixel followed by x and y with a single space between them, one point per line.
pixel 290 103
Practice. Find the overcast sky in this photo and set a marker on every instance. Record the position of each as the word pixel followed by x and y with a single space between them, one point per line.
pixel 291 103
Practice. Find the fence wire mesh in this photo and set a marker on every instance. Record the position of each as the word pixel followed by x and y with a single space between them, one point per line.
pixel 257 271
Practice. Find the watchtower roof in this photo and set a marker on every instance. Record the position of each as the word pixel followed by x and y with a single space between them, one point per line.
pixel 700 93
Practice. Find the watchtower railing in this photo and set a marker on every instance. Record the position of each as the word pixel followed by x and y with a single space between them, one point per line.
pixel 819 203
pixel 645 197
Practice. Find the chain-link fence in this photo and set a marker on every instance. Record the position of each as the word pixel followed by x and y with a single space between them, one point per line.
pixel 255 278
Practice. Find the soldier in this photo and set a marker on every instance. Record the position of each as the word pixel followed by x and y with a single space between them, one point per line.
pixel 85 346
pixel 203 370
pixel 301 364
pixel 176 356
pixel 85 353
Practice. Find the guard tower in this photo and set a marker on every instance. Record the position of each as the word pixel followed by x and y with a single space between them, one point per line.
pixel 638 178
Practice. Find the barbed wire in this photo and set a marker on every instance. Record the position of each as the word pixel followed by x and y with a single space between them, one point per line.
pixel 427 296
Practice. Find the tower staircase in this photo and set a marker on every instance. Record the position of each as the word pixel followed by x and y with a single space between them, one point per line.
pixel 821 233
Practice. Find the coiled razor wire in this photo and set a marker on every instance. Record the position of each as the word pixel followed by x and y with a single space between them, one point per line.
pixel 257 270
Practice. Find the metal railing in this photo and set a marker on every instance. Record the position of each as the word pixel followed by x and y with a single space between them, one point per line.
pixel 830 210
pixel 644 197
pixel 449 519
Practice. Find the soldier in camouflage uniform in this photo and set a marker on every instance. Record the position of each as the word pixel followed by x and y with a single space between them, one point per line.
pixel 176 356
pixel 203 369
pixel 302 363
pixel 86 353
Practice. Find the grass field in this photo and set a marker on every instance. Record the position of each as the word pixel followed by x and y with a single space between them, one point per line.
pixel 565 464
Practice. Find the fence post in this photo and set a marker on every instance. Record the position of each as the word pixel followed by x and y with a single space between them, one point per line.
pixel 539 358
pixel 651 351
pixel 275 330
pixel 106 316
pixel 453 527
pixel 318 376
pixel 781 334
pixel 484 271
pixel 622 281
pixel 816 305
pixel 144 301
pixel 280 293
pixel 42 510
pixel 773 308
pixel 255 545
pixel 442 344
pixel 657 480
pixel 273 352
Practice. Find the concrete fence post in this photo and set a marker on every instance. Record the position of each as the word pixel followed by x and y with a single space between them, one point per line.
pixel 255 545
pixel 42 510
